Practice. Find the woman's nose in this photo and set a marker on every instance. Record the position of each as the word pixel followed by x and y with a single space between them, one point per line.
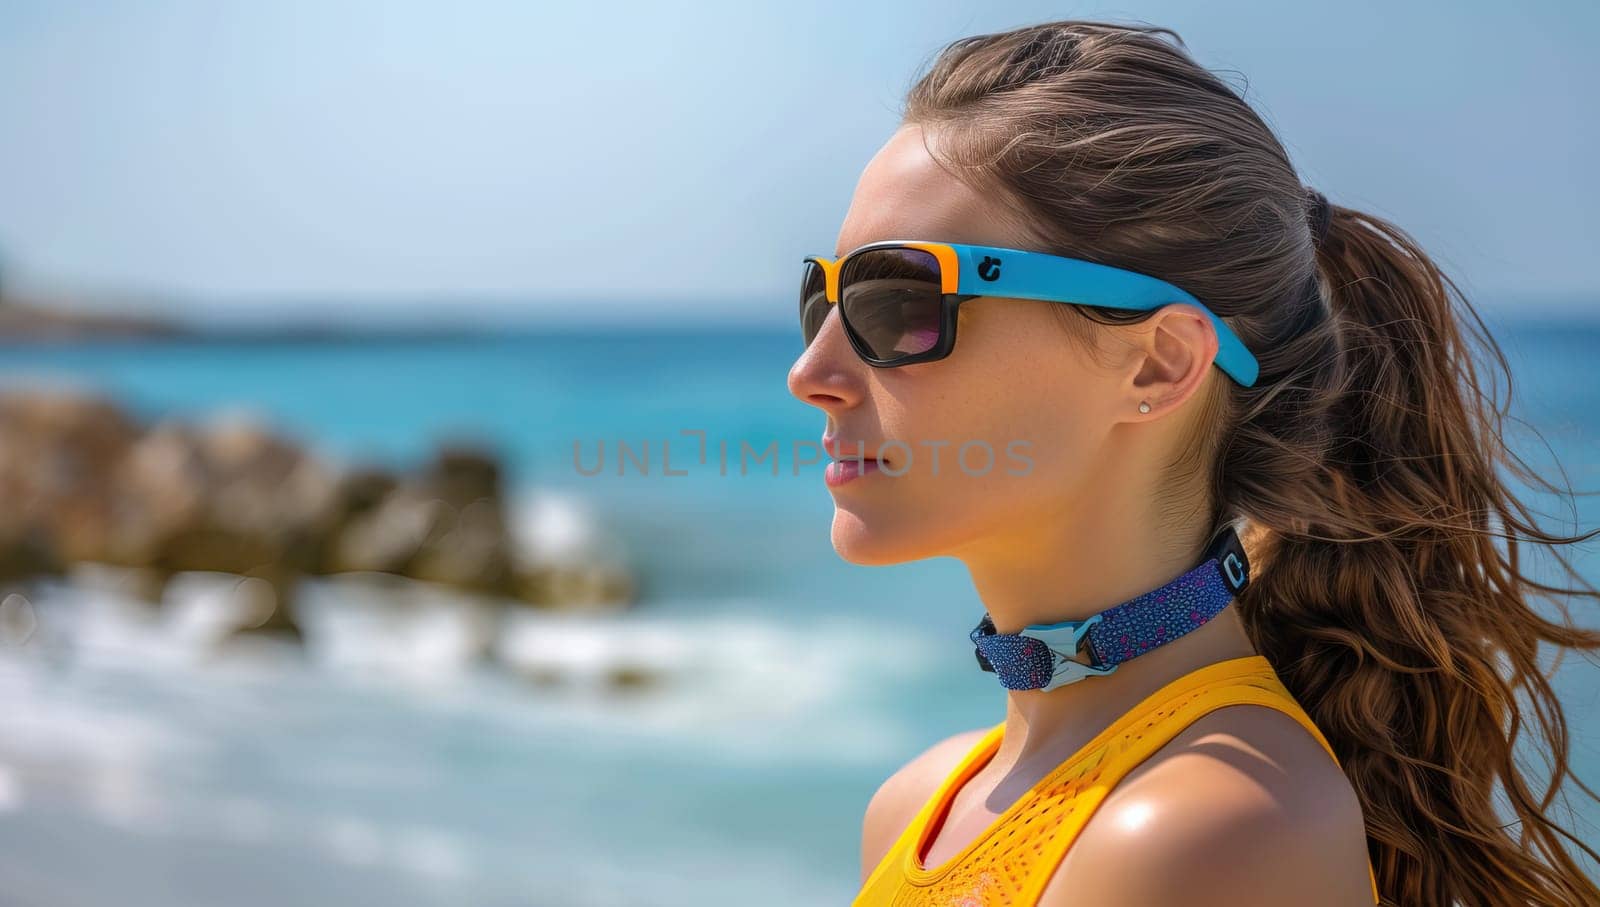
pixel 828 373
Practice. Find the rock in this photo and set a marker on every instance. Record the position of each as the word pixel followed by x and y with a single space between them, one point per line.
pixel 27 550
pixel 262 484
pixel 468 545
pixel 58 454
pixel 631 678
pixel 158 491
pixel 461 473
pixel 466 549
pixel 576 586
pixel 445 526
pixel 387 537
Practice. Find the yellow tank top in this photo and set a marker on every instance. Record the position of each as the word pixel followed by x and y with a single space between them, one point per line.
pixel 1011 860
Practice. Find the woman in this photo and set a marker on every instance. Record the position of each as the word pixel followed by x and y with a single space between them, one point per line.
pixel 1160 545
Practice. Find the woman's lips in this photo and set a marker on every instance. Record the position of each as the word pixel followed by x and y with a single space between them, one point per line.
pixel 850 461
pixel 839 472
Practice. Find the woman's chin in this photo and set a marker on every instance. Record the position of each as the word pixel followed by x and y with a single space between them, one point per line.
pixel 876 542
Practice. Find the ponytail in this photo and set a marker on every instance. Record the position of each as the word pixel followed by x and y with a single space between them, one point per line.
pixel 1390 612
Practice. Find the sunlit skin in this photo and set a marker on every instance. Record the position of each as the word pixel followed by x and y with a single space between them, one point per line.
pixel 1078 532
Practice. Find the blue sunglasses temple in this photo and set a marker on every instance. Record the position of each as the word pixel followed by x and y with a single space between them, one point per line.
pixel 995 271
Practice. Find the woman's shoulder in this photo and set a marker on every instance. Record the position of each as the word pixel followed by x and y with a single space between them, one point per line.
pixel 904 792
pixel 1244 806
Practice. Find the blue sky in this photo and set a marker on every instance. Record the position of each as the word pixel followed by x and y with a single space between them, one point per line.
pixel 608 158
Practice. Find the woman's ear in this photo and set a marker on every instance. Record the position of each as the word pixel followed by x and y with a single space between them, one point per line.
pixel 1174 349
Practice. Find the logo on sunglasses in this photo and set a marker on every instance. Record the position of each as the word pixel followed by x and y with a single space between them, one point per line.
pixel 989 268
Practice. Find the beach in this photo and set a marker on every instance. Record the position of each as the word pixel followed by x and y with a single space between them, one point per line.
pixel 421 745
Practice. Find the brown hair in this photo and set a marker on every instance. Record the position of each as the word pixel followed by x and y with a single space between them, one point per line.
pixel 1364 459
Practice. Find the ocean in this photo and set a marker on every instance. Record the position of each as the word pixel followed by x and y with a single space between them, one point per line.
pixel 383 764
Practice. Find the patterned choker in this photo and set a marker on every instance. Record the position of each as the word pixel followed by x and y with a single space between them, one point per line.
pixel 1046 656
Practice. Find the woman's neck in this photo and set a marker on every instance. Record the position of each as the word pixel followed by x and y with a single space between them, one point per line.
pixel 1079 569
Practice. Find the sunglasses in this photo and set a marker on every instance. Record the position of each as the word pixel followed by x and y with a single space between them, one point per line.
pixel 897 299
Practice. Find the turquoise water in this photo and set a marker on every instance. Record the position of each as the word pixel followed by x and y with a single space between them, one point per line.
pixel 271 779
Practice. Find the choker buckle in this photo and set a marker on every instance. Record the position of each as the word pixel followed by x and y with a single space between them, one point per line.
pixel 1064 640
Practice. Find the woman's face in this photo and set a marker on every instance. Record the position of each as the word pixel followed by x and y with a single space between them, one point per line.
pixel 1031 410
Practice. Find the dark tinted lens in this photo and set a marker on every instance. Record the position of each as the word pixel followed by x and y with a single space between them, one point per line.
pixel 813 301
pixel 891 300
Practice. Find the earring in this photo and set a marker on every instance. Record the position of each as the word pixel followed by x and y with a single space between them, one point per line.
pixel 1144 406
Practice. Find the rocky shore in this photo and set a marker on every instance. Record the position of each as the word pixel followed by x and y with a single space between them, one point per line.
pixel 86 484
